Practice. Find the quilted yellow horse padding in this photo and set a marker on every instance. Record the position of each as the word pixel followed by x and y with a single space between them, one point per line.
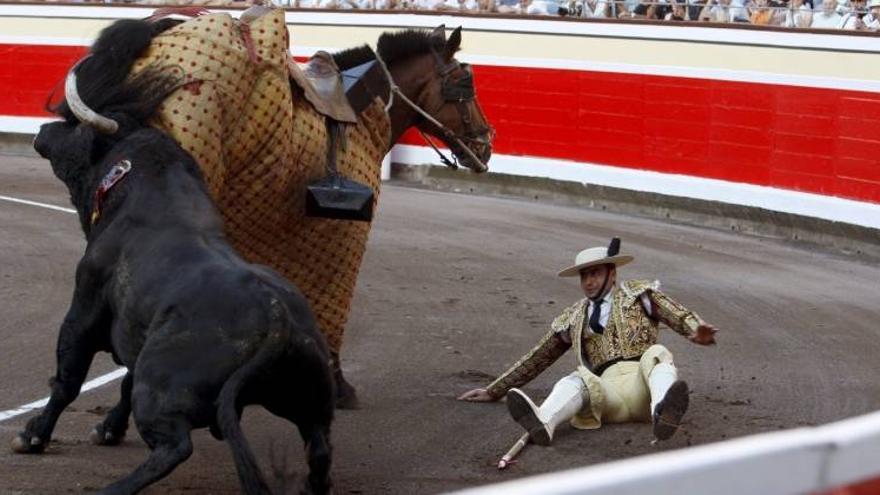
pixel 259 143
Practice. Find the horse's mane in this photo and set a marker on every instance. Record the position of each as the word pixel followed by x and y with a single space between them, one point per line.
pixel 392 47
pixel 353 57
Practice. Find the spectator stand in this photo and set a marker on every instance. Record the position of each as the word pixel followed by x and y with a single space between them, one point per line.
pixel 825 14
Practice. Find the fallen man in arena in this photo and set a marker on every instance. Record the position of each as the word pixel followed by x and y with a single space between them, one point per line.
pixel 622 375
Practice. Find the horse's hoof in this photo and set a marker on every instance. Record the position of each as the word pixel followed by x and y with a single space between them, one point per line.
pixel 21 445
pixel 99 436
pixel 346 397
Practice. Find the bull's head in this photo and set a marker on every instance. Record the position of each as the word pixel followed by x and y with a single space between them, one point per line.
pixel 71 149
pixel 73 145
pixel 76 146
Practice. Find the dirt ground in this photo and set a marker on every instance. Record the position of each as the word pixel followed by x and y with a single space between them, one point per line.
pixel 453 289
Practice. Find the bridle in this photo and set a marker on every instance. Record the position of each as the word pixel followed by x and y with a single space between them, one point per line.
pixel 459 92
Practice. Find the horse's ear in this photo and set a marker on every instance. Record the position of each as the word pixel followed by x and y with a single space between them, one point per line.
pixel 453 43
pixel 439 32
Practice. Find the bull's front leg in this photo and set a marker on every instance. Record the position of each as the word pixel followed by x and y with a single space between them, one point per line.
pixel 112 430
pixel 77 346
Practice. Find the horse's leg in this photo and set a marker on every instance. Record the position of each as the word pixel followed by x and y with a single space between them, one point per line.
pixel 346 395
pixel 112 430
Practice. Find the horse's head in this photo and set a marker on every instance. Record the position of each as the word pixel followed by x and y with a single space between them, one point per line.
pixel 448 96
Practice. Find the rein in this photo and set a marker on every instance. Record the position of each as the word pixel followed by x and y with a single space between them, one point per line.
pixel 394 89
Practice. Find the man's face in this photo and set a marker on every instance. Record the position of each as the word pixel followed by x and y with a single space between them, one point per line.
pixel 829 5
pixel 875 11
pixel 593 278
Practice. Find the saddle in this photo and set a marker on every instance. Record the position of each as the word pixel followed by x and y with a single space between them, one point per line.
pixel 340 97
pixel 320 79
pixel 321 84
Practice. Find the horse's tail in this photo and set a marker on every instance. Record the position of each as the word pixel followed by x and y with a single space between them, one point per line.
pixel 272 349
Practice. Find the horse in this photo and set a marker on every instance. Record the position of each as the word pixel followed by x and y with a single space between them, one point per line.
pixel 259 178
pixel 436 95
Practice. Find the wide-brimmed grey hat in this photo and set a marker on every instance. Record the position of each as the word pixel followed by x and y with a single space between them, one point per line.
pixel 597 256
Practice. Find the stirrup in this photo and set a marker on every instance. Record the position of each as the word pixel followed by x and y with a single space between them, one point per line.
pixel 335 196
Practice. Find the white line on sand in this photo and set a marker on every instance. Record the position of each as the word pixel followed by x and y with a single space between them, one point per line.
pixel 34 203
pixel 94 383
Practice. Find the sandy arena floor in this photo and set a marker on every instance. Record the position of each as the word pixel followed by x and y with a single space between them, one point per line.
pixel 454 288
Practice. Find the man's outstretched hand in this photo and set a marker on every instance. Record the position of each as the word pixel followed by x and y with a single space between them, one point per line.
pixel 477 395
pixel 705 335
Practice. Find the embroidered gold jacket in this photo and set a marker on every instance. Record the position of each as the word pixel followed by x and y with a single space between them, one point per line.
pixel 630 331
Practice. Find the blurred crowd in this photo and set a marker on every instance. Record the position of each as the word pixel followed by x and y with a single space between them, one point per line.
pixel 856 15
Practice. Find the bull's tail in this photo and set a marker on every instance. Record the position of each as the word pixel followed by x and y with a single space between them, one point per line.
pixel 272 349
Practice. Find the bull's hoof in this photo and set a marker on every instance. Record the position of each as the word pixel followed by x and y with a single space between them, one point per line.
pixel 24 444
pixel 101 436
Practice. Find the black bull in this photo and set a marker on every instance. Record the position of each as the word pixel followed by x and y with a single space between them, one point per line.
pixel 202 332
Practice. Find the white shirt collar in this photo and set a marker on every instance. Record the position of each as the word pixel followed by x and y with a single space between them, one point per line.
pixel 607 299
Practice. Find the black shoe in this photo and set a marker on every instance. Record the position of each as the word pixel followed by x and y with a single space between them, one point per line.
pixel 669 411
pixel 524 412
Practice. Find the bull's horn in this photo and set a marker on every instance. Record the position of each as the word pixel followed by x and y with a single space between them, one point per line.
pixel 81 110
